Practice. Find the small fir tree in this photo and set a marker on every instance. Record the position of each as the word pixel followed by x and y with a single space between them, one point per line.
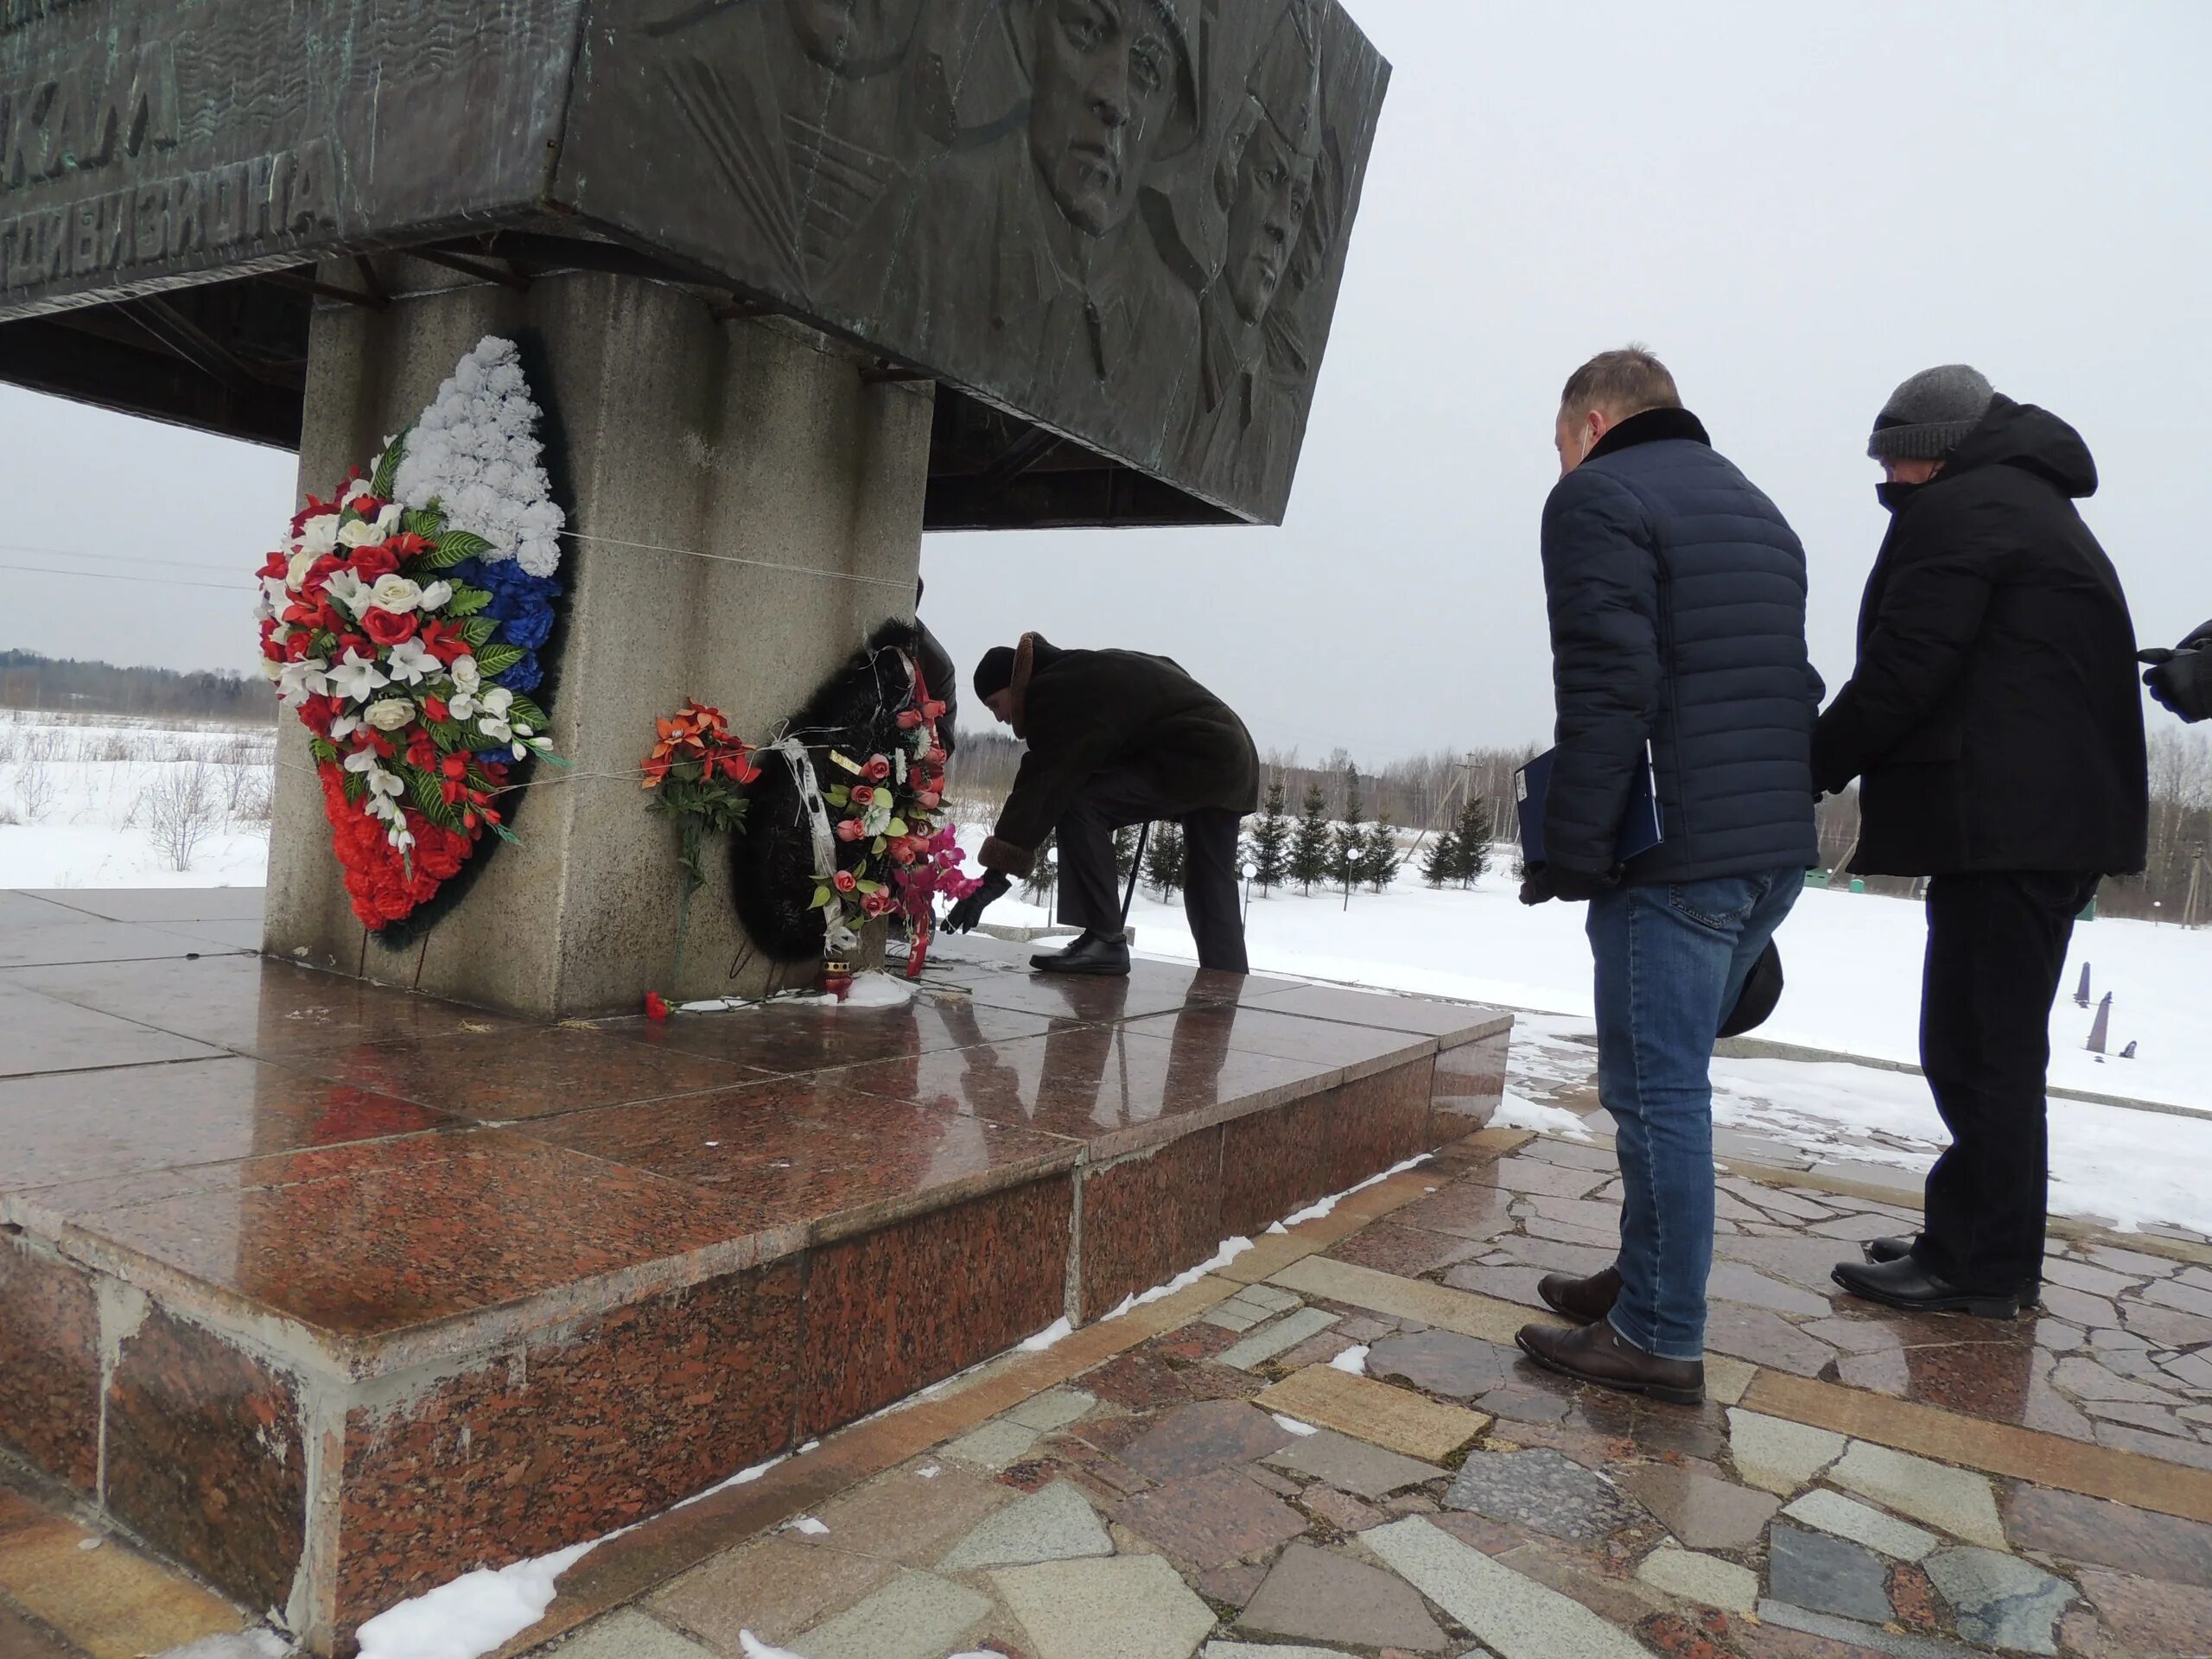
pixel 1309 846
pixel 1043 874
pixel 1268 849
pixel 1439 866
pixel 1163 861
pixel 1472 858
pixel 1348 855
pixel 1380 868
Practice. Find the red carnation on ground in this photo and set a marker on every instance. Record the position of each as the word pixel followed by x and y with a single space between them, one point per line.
pixel 656 1007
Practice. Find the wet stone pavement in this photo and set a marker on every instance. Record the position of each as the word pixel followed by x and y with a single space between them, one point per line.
pixel 1855 1486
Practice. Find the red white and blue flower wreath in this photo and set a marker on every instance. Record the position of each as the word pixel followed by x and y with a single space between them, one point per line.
pixel 403 623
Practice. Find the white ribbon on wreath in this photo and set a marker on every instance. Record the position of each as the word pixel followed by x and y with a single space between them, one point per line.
pixel 816 814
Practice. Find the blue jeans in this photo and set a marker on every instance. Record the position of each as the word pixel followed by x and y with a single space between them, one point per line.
pixel 1671 961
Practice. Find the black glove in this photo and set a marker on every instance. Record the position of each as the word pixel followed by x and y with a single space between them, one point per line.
pixel 1542 881
pixel 2182 679
pixel 970 910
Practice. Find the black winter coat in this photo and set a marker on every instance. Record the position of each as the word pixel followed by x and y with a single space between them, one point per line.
pixel 1677 597
pixel 944 683
pixel 1993 717
pixel 1082 712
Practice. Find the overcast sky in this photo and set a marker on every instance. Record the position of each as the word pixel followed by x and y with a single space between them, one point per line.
pixel 1795 207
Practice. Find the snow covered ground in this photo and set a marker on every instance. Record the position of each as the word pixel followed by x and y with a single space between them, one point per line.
pixel 109 802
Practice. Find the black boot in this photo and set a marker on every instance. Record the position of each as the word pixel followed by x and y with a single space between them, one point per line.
pixel 1105 958
pixel 1898 1246
pixel 1908 1285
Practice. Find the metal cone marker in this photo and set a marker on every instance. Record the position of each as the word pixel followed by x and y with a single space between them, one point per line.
pixel 2102 1024
pixel 2081 993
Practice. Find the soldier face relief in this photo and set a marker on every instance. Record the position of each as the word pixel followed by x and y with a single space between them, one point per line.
pixel 1106 82
pixel 855 37
pixel 1275 189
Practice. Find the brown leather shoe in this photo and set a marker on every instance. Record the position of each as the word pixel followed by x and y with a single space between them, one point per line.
pixel 1584 1300
pixel 1599 1354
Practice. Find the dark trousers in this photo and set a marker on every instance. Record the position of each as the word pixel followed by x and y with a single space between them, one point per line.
pixel 1996 952
pixel 1091 890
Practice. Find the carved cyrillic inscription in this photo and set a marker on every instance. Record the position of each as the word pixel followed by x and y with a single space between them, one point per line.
pixel 89 112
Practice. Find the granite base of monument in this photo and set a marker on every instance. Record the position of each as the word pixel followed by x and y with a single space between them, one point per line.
pixel 332 1292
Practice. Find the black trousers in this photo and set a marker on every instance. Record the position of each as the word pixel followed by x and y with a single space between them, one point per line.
pixel 1090 891
pixel 1996 952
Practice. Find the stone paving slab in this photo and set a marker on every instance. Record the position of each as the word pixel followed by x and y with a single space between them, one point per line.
pixel 1543 1489
pixel 1704 1579
pixel 775 1588
pixel 1287 1333
pixel 1870 1637
pixel 1054 1523
pixel 2002 1601
pixel 1954 1500
pixel 1395 1419
pixel 1702 1511
pixel 1779 1455
pixel 629 1634
pixel 1832 1512
pixel 916 1615
pixel 1210 1519
pixel 996 1445
pixel 1054 1409
pixel 1131 1607
pixel 1516 1617
pixel 1353 1466
pixel 911 1516
pixel 1318 1595
pixel 1827 1574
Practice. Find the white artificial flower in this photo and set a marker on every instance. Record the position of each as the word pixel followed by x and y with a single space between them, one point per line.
pixel 437 596
pixel 495 728
pixel 348 591
pixel 385 783
pixel 296 571
pixel 297 682
pixel 275 597
pixel 396 594
pixel 466 676
pixel 356 678
pixel 368 532
pixel 411 662
pixel 497 700
pixel 319 535
pixel 343 727
pixel 361 760
pixel 353 491
pixel 390 713
pixel 272 672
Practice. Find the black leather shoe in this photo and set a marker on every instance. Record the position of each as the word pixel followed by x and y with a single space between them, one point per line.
pixel 1898 1246
pixel 1584 1300
pixel 1600 1355
pixel 1908 1285
pixel 1105 959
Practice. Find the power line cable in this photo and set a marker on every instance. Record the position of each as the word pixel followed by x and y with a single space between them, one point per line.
pixel 234 588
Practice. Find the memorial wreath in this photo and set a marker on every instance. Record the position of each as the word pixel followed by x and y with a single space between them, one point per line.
pixel 403 621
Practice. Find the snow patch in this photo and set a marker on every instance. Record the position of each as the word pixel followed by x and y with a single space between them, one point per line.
pixel 812 1526
pixel 1294 1426
pixel 869 991
pixel 1321 1207
pixel 1353 1360
pixel 473 1614
pixel 1519 1112
pixel 1049 1337
pixel 1230 1250
pixel 754 1648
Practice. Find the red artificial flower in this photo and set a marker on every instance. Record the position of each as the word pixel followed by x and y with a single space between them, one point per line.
pixel 933 709
pixel 934 759
pixel 877 904
pixel 738 767
pixel 656 1007
pixel 422 753
pixel 407 545
pixel 862 795
pixel 389 628
pixel 876 770
pixel 276 564
pixel 909 718
pixel 443 642
pixel 844 881
pixel 902 851
pixel 850 829
pixel 436 706
pixel 370 563
pixel 927 799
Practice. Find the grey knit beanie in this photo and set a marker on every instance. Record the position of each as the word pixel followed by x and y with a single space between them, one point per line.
pixel 1931 415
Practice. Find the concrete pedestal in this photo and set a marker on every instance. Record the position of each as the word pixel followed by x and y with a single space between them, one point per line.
pixel 666 430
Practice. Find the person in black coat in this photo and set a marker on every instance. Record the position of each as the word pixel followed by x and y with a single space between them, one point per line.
pixel 1995 727
pixel 1116 738
pixel 1677 595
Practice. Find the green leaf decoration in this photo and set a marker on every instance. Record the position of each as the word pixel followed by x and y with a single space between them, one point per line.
pixel 898 828
pixel 323 644
pixel 323 750
pixel 429 799
pixel 821 899
pixel 479 630
pixel 491 661
pixel 465 601
pixel 426 522
pixel 529 713
pixel 447 734
pixel 454 545
pixel 388 468
pixel 355 786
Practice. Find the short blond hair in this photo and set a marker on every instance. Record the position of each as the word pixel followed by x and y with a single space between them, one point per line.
pixel 1622 383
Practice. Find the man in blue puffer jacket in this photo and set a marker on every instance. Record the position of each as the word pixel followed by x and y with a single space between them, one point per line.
pixel 1677 598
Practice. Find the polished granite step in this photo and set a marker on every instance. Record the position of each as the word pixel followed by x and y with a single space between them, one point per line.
pixel 332 1291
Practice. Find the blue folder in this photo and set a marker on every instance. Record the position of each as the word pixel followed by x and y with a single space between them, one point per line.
pixel 1640 830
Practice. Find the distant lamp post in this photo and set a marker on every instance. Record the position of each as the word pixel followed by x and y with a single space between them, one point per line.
pixel 1247 872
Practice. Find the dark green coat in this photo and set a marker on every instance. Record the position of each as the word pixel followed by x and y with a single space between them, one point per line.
pixel 1086 712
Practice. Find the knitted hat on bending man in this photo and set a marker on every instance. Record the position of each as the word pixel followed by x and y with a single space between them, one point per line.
pixel 995 672
pixel 1931 415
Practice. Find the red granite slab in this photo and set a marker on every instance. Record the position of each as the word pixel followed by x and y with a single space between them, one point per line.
pixel 1469 1083
pixel 38 1034
pixel 1273 1164
pixel 49 1362
pixel 1349 1050
pixel 797 1160
pixel 1379 1121
pixel 1146 1219
pixel 84 1125
pixel 153 905
pixel 255 1006
pixel 909 1305
pixel 1450 1023
pixel 491 1077
pixel 789 1039
pixel 567 1435
pixel 368 1241
pixel 206 1458
pixel 87 939
pixel 1105 1085
pixel 1151 987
